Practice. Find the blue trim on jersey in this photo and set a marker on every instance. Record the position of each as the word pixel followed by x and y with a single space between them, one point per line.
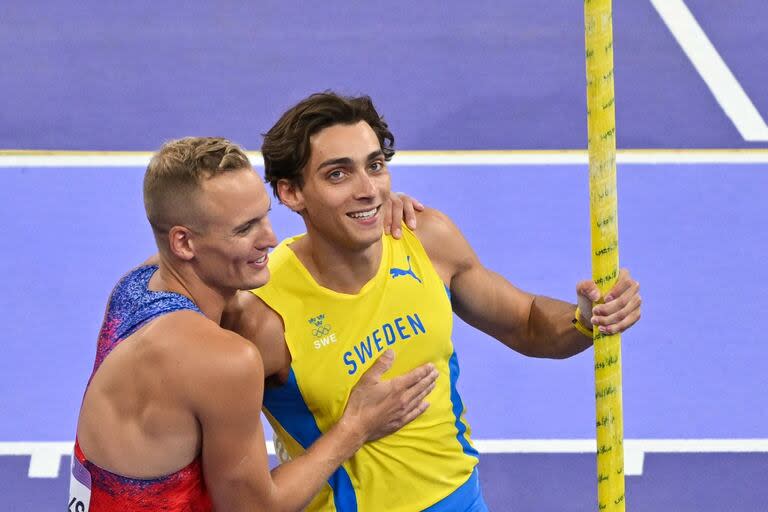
pixel 131 306
pixel 458 407
pixel 466 498
pixel 288 407
pixel 135 304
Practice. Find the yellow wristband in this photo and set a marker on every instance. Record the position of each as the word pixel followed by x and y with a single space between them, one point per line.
pixel 583 329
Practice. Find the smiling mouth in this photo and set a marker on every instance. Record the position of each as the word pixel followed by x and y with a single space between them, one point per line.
pixel 364 215
pixel 259 261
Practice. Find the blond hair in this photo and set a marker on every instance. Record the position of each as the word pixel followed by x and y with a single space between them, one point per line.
pixel 174 175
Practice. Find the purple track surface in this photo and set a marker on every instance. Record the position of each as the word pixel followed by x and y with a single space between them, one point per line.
pixel 525 482
pixel 478 75
pixel 463 75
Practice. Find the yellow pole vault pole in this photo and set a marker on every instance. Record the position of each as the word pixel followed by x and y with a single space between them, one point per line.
pixel 601 123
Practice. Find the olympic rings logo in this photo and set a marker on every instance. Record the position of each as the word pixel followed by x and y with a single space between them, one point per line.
pixel 321 331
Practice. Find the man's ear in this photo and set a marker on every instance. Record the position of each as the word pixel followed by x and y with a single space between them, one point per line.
pixel 290 195
pixel 181 243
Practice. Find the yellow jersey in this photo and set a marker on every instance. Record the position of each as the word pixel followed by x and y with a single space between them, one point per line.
pixel 333 339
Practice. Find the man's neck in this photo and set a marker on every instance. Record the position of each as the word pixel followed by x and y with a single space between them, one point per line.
pixel 341 269
pixel 182 279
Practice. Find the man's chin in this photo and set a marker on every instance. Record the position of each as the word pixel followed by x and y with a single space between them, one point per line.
pixel 258 282
pixel 365 243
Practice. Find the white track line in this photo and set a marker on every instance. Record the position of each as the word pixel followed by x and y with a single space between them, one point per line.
pixel 46 456
pixel 38 159
pixel 715 72
pixel 634 449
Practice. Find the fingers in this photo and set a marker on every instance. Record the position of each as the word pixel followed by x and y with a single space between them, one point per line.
pixel 425 372
pixel 588 290
pixel 394 215
pixel 416 400
pixel 400 400
pixel 420 388
pixel 410 207
pixel 623 283
pixel 377 369
pixel 409 202
pixel 621 308
pixel 400 207
pixel 409 214
pixel 621 320
pixel 387 218
pixel 412 397
pixel 412 414
pixel 587 293
pixel 412 408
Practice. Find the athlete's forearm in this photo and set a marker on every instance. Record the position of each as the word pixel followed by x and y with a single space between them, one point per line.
pixel 298 481
pixel 550 331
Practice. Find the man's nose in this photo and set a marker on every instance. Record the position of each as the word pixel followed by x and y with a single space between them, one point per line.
pixel 268 239
pixel 366 185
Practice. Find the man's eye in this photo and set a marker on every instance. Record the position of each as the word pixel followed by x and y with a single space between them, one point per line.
pixel 335 175
pixel 377 166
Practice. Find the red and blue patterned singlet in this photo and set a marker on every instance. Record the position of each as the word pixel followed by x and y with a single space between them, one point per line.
pixel 94 489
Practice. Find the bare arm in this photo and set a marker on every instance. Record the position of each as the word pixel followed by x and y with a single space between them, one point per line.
pixel 234 456
pixel 533 325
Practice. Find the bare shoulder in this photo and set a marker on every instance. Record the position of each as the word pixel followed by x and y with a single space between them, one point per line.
pixel 249 316
pixel 433 223
pixel 443 241
pixel 230 379
pixel 220 361
pixel 234 357
pixel 244 307
pixel 197 344
pixel 195 361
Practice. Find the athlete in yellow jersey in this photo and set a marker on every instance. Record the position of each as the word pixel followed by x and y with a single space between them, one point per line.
pixel 343 294
pixel 333 336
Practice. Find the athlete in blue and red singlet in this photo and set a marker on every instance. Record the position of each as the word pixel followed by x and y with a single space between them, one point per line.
pixel 132 306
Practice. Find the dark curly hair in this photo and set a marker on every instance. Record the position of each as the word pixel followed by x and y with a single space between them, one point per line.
pixel 286 148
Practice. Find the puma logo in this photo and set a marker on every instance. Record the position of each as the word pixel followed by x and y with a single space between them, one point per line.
pixel 397 272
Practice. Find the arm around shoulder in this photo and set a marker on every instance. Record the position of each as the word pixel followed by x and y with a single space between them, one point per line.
pixel 227 403
pixel 250 317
